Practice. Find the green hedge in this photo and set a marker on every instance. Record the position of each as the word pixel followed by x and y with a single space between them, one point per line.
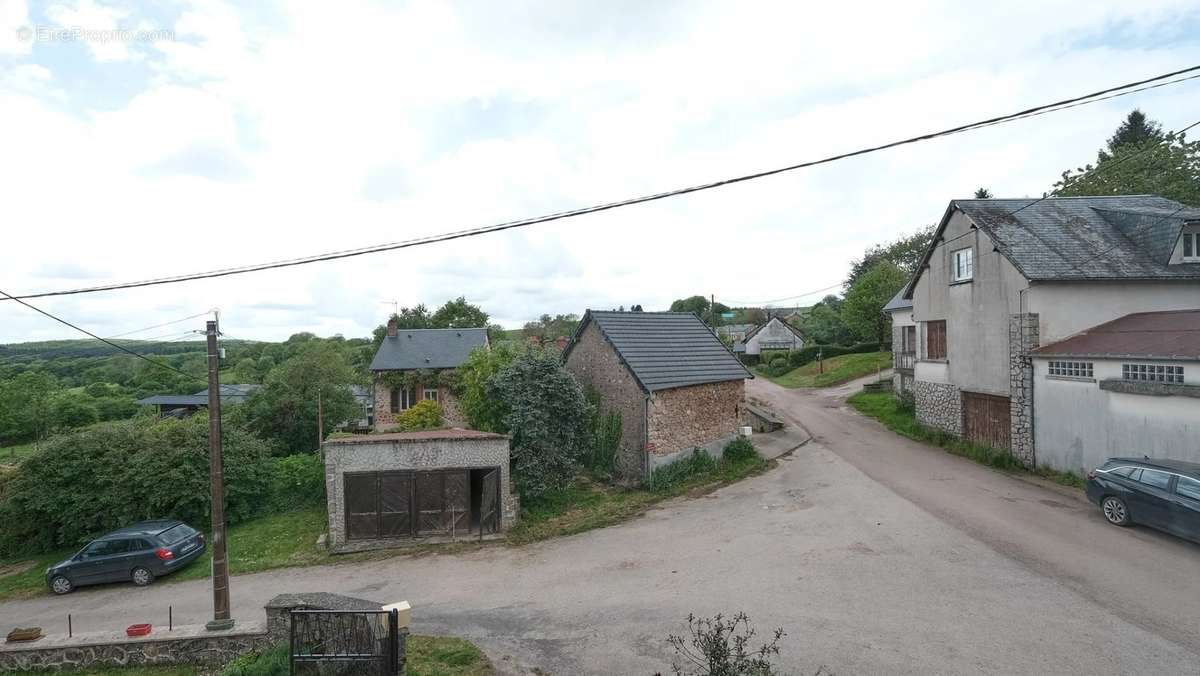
pixel 807 355
pixel 112 474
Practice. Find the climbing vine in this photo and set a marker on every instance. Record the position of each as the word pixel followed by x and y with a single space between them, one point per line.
pixel 447 378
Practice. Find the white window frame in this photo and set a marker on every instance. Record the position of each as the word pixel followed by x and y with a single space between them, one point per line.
pixel 1071 369
pixel 962 272
pixel 1152 373
pixel 1191 239
pixel 429 394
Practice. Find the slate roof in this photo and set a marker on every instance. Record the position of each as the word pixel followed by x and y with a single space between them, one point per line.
pixel 777 320
pixel 1144 335
pixel 427 349
pixel 234 393
pixel 898 302
pixel 1081 238
pixel 734 328
pixel 665 350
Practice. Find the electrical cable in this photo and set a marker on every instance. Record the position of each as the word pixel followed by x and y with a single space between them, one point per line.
pixel 1119 90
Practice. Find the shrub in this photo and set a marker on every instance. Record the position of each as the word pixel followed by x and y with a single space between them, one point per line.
pixel 738 450
pixel 482 411
pixel 297 481
pixel 273 662
pixel 112 474
pixel 721 647
pixel 547 420
pixel 666 477
pixel 604 431
pixel 424 415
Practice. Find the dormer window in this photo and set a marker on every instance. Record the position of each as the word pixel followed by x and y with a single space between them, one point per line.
pixel 964 266
pixel 1191 243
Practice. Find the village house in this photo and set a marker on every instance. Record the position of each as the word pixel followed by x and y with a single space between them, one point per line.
pixel 675 385
pixel 773 334
pixel 904 344
pixel 411 365
pixel 736 333
pixel 1004 277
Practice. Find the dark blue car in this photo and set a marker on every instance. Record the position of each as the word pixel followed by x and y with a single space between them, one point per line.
pixel 1162 494
pixel 137 554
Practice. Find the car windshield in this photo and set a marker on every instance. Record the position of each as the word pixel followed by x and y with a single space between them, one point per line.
pixel 176 534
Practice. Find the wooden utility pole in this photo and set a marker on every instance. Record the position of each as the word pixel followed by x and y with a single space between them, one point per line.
pixel 320 421
pixel 712 309
pixel 220 561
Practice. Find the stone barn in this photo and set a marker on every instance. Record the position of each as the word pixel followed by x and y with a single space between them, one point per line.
pixel 675 385
pixel 410 487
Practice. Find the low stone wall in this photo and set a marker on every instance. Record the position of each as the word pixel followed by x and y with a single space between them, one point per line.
pixel 184 645
pixel 939 405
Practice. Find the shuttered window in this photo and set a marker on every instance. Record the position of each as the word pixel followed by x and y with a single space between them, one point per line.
pixel 935 339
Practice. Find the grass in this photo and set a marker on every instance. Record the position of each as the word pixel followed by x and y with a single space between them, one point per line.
pixel 899 418
pixel 11 455
pixel 837 370
pixel 426 656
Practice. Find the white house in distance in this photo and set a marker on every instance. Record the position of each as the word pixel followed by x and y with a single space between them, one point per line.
pixel 1004 277
pixel 773 334
pixel 904 343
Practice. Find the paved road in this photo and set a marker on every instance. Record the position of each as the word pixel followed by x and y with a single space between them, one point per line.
pixel 922 563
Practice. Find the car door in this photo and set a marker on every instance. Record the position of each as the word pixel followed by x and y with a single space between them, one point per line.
pixel 115 566
pixel 1185 508
pixel 90 564
pixel 1150 497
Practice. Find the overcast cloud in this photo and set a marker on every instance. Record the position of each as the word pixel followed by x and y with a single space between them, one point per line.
pixel 241 135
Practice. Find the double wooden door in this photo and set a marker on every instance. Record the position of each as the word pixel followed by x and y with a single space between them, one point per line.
pixel 407 504
pixel 986 419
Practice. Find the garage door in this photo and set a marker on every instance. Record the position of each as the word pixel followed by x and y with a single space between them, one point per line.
pixel 986 419
pixel 406 504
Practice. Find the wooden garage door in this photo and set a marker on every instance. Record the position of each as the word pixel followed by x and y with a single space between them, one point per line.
pixel 986 419
pixel 406 504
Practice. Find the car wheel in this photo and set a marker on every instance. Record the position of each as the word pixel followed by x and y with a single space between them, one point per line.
pixel 1115 511
pixel 142 577
pixel 61 585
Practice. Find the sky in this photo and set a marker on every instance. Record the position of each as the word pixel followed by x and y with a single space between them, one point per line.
pixel 139 140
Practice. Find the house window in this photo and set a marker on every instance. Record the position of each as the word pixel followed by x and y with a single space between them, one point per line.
pixel 1153 373
pixel 1191 245
pixel 403 398
pixel 935 339
pixel 964 266
pixel 908 339
pixel 1071 369
pixel 429 394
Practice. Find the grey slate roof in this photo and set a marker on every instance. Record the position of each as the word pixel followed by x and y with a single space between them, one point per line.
pixel 664 350
pixel 427 349
pixel 898 301
pixel 734 328
pixel 233 393
pixel 1084 238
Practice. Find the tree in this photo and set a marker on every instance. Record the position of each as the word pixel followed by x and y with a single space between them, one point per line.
pixel 906 252
pixel 824 325
pixel 25 404
pixel 70 409
pixel 548 328
pixel 408 318
pixel 482 411
pixel 1137 130
pixel 862 310
pixel 754 315
pixel 983 194
pixel 547 420
pixel 458 314
pixel 697 304
pixel 284 411
pixel 1170 168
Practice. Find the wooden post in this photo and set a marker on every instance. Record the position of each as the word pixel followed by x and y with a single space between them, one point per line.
pixel 220 562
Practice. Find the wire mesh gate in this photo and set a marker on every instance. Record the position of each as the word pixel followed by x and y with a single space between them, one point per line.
pixel 337 642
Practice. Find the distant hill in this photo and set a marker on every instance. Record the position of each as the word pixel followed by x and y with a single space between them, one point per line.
pixel 76 349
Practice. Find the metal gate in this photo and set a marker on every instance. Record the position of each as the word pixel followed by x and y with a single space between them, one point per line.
pixel 986 419
pixel 328 642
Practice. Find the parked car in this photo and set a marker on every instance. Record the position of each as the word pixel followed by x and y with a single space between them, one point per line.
pixel 1162 494
pixel 137 553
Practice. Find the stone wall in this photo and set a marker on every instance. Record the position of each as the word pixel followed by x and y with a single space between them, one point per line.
pixel 384 418
pixel 371 453
pixel 938 405
pixel 1022 338
pixel 184 645
pixel 595 364
pixel 686 417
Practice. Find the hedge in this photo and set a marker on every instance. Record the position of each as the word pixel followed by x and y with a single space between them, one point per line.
pixel 806 355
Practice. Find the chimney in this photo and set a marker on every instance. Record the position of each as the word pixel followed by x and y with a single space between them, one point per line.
pixel 562 343
pixel 392 327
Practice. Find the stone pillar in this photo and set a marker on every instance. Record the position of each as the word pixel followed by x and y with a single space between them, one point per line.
pixel 1023 337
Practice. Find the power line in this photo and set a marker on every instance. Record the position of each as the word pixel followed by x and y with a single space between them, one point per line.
pixel 1029 112
pixel 158 326
pixel 780 300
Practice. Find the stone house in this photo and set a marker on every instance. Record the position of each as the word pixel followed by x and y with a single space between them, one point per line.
pixel 675 385
pixel 1130 386
pixel 773 334
pixel 736 333
pixel 408 368
pixel 1003 277
pixel 406 487
pixel 904 344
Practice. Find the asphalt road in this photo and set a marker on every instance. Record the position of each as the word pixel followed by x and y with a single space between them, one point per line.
pixel 875 554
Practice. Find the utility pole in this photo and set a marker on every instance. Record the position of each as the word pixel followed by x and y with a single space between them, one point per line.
pixel 320 421
pixel 712 310
pixel 220 562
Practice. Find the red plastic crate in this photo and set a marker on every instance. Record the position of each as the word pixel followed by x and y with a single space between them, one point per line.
pixel 137 630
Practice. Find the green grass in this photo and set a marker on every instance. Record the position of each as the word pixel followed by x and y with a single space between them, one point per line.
pixel 426 656
pixel 837 370
pixel 899 418
pixel 11 455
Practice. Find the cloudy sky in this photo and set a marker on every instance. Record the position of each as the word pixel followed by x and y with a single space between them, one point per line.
pixel 141 142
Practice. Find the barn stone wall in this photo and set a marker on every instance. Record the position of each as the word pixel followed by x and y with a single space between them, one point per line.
pixel 939 405
pixel 686 417
pixel 384 418
pixel 595 364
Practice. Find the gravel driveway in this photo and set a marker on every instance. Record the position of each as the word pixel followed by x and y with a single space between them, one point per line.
pixel 866 575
